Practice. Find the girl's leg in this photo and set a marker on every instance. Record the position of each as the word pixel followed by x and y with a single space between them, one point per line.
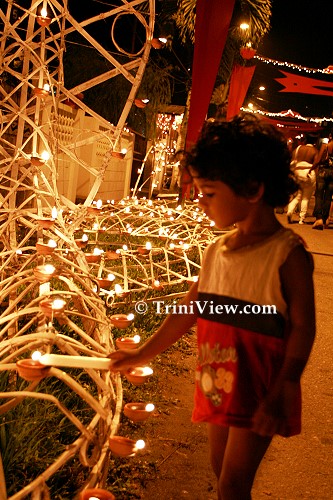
pixel 242 455
pixel 293 204
pixel 217 437
pixel 327 198
pixel 307 190
pixel 319 197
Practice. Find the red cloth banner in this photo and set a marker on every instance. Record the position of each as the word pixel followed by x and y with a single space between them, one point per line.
pixel 304 85
pixel 211 30
pixel 240 80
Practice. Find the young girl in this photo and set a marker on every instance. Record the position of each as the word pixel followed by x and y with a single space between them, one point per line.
pixel 255 303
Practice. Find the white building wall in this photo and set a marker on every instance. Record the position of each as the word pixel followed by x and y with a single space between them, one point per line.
pixel 76 170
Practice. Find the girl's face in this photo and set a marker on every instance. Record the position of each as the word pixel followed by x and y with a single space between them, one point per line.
pixel 220 203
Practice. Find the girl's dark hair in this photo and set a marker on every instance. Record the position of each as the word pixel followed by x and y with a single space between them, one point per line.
pixel 243 153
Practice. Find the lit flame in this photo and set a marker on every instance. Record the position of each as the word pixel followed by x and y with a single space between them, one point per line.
pixel 45 155
pixel 84 237
pixel 49 269
pixel 99 204
pixel 111 277
pixel 97 251
pixel 142 371
pixel 43 12
pixel 58 304
pixel 148 245
pixel 140 444
pixel 54 212
pixel 150 407
pixel 36 355
pixel 130 317
pixel 52 244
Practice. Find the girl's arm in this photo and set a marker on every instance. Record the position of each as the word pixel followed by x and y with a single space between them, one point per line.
pixel 172 328
pixel 297 283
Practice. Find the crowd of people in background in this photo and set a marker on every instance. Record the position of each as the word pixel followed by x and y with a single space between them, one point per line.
pixel 312 163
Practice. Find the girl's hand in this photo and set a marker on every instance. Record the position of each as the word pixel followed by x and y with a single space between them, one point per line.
pixel 124 359
pixel 271 416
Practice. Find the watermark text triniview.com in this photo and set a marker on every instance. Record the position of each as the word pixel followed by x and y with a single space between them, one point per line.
pixel 205 307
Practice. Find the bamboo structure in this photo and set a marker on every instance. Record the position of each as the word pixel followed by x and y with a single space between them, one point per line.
pixel 32 45
pixel 64 267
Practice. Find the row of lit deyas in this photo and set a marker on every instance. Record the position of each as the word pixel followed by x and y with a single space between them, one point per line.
pixel 38 366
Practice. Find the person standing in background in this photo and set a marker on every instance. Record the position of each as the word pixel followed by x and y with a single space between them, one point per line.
pixel 324 184
pixel 304 157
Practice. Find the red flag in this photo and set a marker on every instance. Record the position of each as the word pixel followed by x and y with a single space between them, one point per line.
pixel 240 80
pixel 304 85
pixel 211 30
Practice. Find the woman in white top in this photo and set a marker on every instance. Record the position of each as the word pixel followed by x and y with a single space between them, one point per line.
pixel 303 159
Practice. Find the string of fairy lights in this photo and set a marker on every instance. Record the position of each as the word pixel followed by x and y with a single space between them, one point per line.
pixel 286 114
pixel 267 60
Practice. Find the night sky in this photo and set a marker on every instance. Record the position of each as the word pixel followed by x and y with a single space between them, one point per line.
pixel 301 33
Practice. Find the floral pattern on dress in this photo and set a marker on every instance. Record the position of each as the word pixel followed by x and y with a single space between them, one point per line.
pixel 214 382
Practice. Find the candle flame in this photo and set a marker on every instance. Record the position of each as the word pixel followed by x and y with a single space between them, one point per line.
pixel 140 444
pixel 150 407
pixel 130 317
pixel 111 277
pixel 45 154
pixel 137 338
pixel 97 251
pixel 43 12
pixel 118 288
pixel 36 355
pixel 49 269
pixel 99 204
pixel 148 245
pixel 52 244
pixel 84 237
pixel 58 304
pixel 142 371
pixel 54 213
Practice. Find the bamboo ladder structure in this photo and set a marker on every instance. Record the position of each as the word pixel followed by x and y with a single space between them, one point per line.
pixel 32 46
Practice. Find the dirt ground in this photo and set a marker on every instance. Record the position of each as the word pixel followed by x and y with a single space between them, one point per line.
pixel 297 468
